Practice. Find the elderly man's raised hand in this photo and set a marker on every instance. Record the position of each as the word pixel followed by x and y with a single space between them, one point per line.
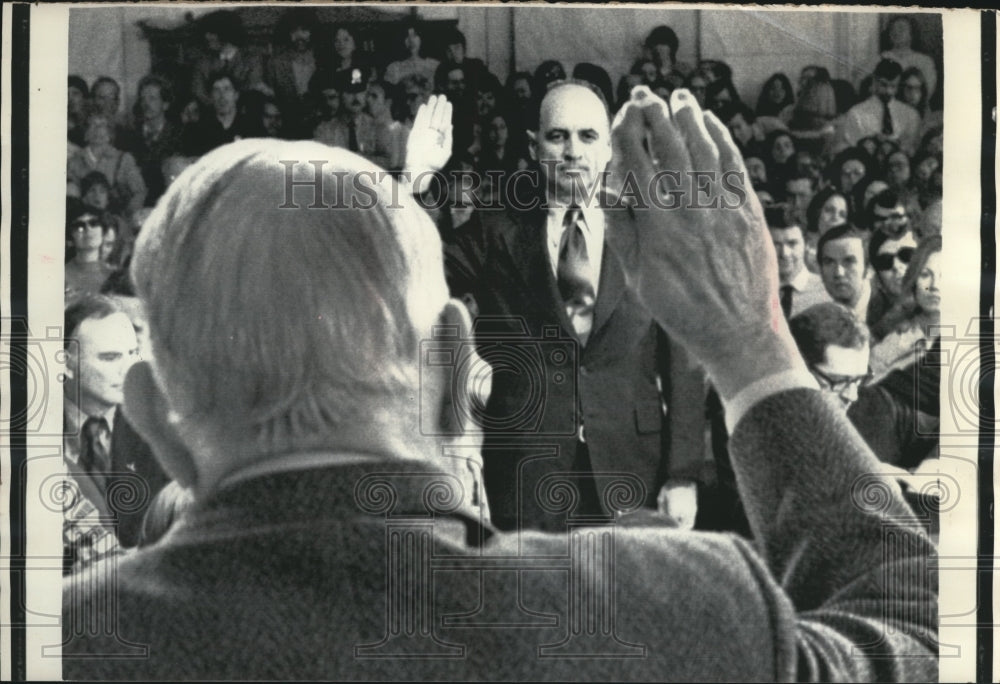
pixel 708 275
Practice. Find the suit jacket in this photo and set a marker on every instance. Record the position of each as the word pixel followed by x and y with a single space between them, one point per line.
pixel 302 575
pixel 135 469
pixel 615 386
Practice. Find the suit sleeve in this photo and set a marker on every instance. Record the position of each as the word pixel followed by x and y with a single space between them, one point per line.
pixel 841 542
pixel 464 256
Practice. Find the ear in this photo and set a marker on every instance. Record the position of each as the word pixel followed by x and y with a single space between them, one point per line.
pixel 147 410
pixel 455 402
pixel 533 145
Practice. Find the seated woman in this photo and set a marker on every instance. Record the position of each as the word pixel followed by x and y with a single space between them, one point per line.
pixel 128 189
pixel 898 414
pixel 777 98
pixel 119 234
pixel 848 169
pixel 779 155
pixel 827 209
pixel 916 315
pixel 415 62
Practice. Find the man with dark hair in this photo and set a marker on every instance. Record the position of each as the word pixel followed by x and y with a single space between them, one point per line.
pixel 798 287
pixel 882 115
pixel 886 213
pixel 740 120
pixel 327 521
pixel 842 255
pixel 454 56
pixel 154 136
pixel 799 190
pixel 834 344
pixel 635 405
pixel 100 349
pixel 225 123
pixel 291 69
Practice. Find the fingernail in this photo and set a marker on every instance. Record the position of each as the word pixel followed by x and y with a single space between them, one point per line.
pixel 642 95
pixel 681 98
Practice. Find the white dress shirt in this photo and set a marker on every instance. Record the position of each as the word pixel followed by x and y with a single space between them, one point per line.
pixel 865 119
pixel 808 291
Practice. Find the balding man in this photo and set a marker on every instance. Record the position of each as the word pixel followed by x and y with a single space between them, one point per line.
pixel 329 538
pixel 631 407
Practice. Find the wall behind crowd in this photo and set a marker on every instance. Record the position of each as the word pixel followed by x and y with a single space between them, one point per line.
pixel 755 43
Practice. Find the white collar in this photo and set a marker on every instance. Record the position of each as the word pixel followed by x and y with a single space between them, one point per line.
pixel 801 279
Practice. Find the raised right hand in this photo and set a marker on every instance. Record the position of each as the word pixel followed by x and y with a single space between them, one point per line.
pixel 708 276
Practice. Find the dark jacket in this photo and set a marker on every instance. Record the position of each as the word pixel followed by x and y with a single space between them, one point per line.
pixel 377 572
pixel 609 386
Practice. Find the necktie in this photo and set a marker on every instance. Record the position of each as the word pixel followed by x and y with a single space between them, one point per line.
pixel 352 136
pixel 886 119
pixel 95 448
pixel 575 276
pixel 786 300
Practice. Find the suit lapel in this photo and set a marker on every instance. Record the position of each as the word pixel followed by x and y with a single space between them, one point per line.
pixel 610 289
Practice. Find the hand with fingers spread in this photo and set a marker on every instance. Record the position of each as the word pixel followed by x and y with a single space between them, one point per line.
pixel 708 275
pixel 428 146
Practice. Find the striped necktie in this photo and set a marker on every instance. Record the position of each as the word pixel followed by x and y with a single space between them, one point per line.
pixel 575 275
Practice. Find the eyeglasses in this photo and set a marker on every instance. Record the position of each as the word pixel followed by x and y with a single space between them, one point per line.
pixel 842 383
pixel 83 224
pixel 886 260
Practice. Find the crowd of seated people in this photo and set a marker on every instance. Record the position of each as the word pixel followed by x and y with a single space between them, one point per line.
pixel 850 176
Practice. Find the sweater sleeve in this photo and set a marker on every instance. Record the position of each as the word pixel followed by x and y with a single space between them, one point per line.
pixel 839 539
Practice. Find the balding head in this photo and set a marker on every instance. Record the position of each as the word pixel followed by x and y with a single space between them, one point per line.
pixel 573 142
pixel 272 326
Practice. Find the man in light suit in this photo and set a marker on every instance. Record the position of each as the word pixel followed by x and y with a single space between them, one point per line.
pixel 329 537
pixel 630 403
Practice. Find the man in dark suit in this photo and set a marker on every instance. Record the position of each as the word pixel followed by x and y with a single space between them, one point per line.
pixel 332 538
pixel 623 401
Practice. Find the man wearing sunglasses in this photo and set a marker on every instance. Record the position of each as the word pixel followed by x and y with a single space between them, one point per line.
pixel 889 258
pixel 834 344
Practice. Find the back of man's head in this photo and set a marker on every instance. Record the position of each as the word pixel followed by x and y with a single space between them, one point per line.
pixel 274 320
pixel 824 325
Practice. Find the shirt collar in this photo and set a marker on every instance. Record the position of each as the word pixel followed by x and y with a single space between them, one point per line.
pixel 801 279
pixel 75 417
